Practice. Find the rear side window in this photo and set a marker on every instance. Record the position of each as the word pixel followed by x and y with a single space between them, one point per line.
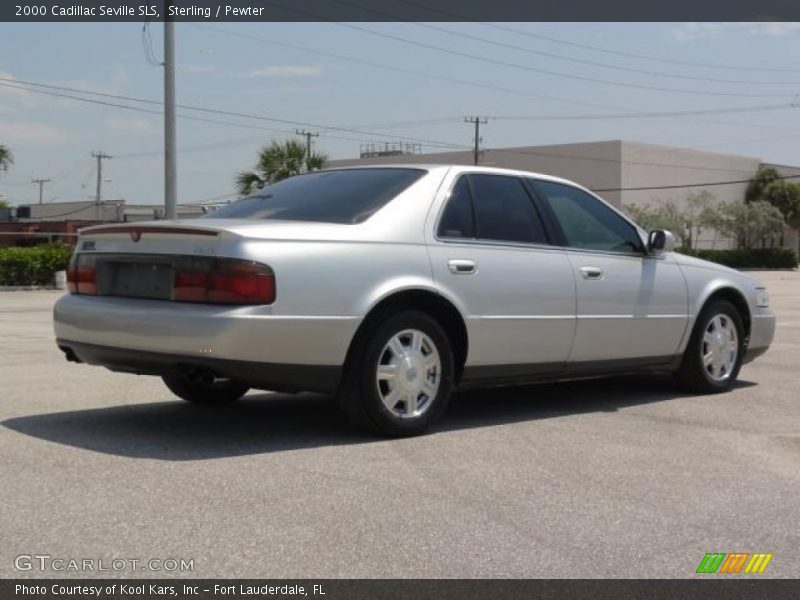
pixel 588 223
pixel 505 211
pixel 491 207
pixel 458 217
pixel 341 196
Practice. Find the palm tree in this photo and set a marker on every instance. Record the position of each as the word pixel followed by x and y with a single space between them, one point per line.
pixel 277 161
pixel 6 158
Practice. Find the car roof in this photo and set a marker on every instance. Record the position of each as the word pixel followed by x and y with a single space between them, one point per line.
pixel 460 168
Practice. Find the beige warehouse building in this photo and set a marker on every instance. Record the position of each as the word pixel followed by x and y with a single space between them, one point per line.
pixel 621 172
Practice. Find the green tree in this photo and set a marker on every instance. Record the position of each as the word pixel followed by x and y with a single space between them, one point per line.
pixel 785 197
pixel 749 224
pixel 655 216
pixel 759 182
pixel 682 222
pixel 6 158
pixel 697 203
pixel 768 186
pixel 277 161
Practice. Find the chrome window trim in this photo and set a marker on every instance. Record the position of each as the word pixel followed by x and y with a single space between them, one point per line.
pixel 521 245
pixel 495 244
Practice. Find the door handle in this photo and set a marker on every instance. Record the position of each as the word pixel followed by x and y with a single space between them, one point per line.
pixel 591 272
pixel 461 266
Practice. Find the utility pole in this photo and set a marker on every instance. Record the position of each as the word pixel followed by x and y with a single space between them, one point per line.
pixel 170 149
pixel 41 183
pixel 98 196
pixel 308 135
pixel 477 121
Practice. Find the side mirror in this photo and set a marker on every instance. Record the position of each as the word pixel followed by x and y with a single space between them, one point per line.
pixel 660 241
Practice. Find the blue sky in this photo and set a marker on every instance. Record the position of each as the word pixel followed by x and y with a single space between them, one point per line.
pixel 271 70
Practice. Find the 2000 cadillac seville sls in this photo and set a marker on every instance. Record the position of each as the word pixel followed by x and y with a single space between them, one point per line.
pixel 393 286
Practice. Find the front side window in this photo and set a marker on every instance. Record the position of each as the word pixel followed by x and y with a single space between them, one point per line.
pixel 491 207
pixel 586 222
pixel 340 196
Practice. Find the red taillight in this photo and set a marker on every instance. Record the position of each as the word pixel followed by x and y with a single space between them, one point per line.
pixel 241 288
pixel 72 274
pixel 194 279
pixel 227 281
pixel 80 275
pixel 190 286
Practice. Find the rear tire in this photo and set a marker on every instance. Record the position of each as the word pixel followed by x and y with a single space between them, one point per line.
pixel 399 377
pixel 714 353
pixel 216 392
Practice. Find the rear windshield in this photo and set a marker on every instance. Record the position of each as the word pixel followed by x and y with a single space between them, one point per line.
pixel 343 196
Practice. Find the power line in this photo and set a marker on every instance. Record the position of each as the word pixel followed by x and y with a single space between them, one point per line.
pixel 68 213
pixel 527 68
pixel 438 143
pixel 444 144
pixel 401 69
pixel 659 59
pixel 542 153
pixel 211 111
pixel 648 115
pixel 685 185
pixel 597 116
pixel 197 148
pixel 556 56
pixel 138 109
pixel 445 78
pixel 147 43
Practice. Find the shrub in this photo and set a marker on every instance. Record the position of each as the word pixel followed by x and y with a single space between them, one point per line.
pixel 748 258
pixel 36 265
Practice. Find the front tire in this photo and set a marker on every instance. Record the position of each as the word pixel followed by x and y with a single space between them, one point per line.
pixel 206 391
pixel 714 353
pixel 400 375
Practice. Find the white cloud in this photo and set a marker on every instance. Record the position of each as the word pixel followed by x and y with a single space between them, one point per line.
pixel 283 71
pixel 18 133
pixel 687 32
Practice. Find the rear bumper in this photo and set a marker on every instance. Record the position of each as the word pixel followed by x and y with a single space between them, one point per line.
pixel 268 376
pixel 251 333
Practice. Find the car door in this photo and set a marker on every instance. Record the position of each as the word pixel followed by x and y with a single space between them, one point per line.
pixel 632 308
pixel 490 252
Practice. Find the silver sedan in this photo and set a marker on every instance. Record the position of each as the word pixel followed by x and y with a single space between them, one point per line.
pixel 393 286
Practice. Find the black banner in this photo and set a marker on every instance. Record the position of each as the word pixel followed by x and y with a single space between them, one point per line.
pixel 398 10
pixel 729 588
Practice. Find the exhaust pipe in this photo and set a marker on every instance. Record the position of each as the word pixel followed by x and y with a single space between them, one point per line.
pixel 69 354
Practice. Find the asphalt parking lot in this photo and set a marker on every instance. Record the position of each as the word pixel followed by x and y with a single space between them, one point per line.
pixel 621 478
